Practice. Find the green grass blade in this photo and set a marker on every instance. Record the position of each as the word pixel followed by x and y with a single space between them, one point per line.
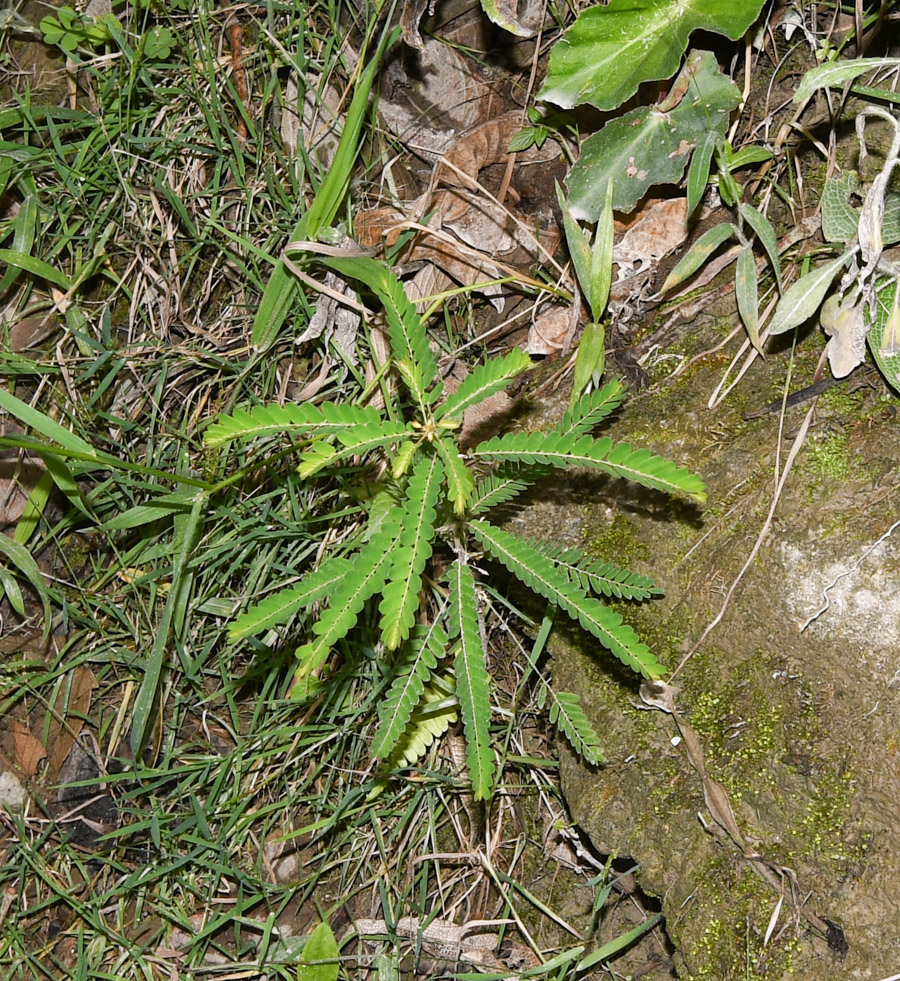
pixel 21 558
pixel 279 293
pixel 45 425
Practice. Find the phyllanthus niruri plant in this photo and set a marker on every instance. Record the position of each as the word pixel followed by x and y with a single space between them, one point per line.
pixel 432 496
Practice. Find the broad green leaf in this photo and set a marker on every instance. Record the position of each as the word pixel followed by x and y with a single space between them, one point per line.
pixel 568 715
pixel 804 297
pixel 884 334
pixel 483 381
pixel 19 557
pixel 411 673
pixel 699 253
pixel 529 566
pixel 282 286
pixel 34 508
pixel 611 49
pixel 648 146
pixel 320 958
pixel 840 220
pixel 698 173
pixel 281 606
pixel 623 460
pixel 766 234
pixel 836 73
pixel 401 594
pixel 746 289
pixel 472 682
pixel 274 420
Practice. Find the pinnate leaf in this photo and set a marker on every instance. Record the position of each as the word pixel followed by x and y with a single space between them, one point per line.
pixel 483 381
pixel 596 576
pixel 401 594
pixel 281 606
pixel 623 460
pixel 566 713
pixel 269 420
pixel 410 675
pixel 472 682
pixel 591 409
pixel 528 565
pixel 460 482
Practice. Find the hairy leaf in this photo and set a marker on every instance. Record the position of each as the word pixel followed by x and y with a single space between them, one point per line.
pixel 566 713
pixel 412 671
pixel 766 234
pixel 472 682
pixel 590 410
pixel 836 73
pixel 698 173
pixel 884 334
pixel 281 606
pixel 622 460
pixel 804 297
pixel 527 564
pixel 401 595
pixel 746 290
pixel 483 381
pixel 371 566
pixel 270 420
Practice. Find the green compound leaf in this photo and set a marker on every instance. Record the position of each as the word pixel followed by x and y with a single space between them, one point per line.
pixel 371 566
pixel 409 342
pixel 567 714
pixel 590 410
pixel 596 576
pixel 401 595
pixel 430 719
pixel 610 50
pixel 412 671
pixel 283 605
pixel 482 382
pixel 622 460
pixel 472 683
pixel 498 488
pixel 528 565
pixel 355 441
pixel 460 482
pixel 648 145
pixel 270 420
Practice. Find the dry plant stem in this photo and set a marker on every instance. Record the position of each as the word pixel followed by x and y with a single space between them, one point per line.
pixel 235 41
pixel 764 532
